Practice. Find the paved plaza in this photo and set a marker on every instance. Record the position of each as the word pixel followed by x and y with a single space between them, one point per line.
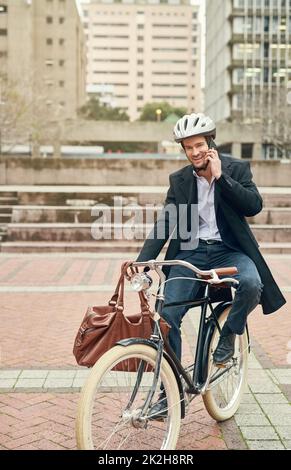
pixel 43 300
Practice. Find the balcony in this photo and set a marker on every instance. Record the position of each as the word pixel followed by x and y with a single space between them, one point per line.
pixel 259 63
pixel 266 11
pixel 283 38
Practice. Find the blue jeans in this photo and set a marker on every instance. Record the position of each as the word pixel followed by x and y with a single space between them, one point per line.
pixel 205 257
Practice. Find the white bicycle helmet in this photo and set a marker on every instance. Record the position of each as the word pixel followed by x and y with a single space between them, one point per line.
pixel 194 124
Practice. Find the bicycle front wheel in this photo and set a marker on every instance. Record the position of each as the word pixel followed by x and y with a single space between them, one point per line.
pixel 110 413
pixel 226 385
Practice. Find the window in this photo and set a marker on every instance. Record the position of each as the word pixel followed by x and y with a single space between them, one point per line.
pixel 61 62
pixel 49 41
pixel 61 42
pixel 62 83
pixel 3 9
pixel 3 32
pixel 266 24
pixel 247 151
pixel 61 20
pixel 49 19
pixel 238 76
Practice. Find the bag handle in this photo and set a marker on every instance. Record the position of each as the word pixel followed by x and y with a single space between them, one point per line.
pixel 118 297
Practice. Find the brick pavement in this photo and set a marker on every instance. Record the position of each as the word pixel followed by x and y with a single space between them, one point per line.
pixel 37 330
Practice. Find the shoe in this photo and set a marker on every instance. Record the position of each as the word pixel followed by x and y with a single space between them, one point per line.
pixel 159 410
pixel 225 349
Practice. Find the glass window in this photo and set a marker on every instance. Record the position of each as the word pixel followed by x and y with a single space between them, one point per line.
pixel 247 150
pixel 239 3
pixel 238 76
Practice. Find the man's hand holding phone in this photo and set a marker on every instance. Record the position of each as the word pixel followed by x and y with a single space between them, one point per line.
pixel 214 162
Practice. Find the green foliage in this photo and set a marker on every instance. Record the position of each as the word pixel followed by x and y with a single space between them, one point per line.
pixel 149 111
pixel 98 112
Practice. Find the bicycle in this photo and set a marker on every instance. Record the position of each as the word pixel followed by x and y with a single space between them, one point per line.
pixel 114 410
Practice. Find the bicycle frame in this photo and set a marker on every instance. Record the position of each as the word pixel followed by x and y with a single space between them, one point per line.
pixel 200 379
pixel 206 324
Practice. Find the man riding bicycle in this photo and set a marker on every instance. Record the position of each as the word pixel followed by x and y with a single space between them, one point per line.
pixel 218 193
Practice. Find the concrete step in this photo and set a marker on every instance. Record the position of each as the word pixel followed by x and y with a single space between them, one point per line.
pixel 272 233
pixel 276 200
pixel 107 247
pixel 60 232
pixel 96 247
pixel 85 214
pixel 6 209
pixel 60 198
pixel 66 195
pixel 8 193
pixel 8 201
pixel 140 197
pixel 5 218
pixel 3 232
pixel 272 216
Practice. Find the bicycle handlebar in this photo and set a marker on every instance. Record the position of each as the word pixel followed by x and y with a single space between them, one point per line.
pixel 210 276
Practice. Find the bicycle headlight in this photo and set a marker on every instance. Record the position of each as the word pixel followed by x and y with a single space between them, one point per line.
pixel 141 281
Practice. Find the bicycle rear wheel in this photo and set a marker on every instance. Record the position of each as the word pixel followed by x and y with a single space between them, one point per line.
pixel 109 412
pixel 226 385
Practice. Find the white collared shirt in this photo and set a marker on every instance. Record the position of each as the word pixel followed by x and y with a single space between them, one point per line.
pixel 207 217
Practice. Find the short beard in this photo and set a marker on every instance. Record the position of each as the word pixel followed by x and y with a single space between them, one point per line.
pixel 201 168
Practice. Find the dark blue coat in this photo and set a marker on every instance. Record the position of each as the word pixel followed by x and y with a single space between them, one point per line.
pixel 236 197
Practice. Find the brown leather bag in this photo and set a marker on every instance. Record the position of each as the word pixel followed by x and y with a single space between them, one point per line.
pixel 103 326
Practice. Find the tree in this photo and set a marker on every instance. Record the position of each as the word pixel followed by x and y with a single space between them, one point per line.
pixel 149 111
pixel 271 110
pixel 98 112
pixel 24 115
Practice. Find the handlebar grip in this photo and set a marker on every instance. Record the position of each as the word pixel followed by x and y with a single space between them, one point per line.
pixel 226 271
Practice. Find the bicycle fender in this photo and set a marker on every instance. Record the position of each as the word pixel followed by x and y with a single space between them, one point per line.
pixel 130 341
pixel 153 344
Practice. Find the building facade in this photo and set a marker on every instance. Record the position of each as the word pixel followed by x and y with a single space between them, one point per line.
pixel 42 48
pixel 248 68
pixel 141 51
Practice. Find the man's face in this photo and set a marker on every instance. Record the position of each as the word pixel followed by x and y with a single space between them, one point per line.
pixel 196 149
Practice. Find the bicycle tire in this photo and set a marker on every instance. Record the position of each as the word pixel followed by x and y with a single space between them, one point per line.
pixel 220 402
pixel 102 422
